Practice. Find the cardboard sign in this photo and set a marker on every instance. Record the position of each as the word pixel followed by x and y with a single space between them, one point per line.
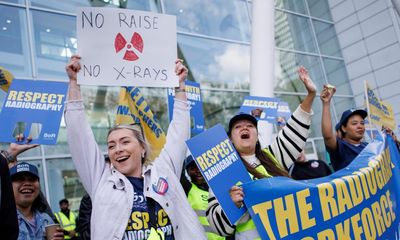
pixel 221 167
pixel 269 107
pixel 196 111
pixel 121 47
pixel 33 108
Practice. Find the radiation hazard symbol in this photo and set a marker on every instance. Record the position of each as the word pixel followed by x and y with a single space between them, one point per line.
pixel 132 48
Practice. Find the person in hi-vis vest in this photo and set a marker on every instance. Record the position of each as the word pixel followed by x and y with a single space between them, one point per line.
pixel 197 192
pixel 67 220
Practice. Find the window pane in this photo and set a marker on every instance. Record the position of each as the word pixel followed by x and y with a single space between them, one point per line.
pixel 337 76
pixel 14 50
pixel 219 107
pixel 293 32
pixel 14 1
pixel 319 9
pixel 292 5
pixel 341 104
pixel 294 101
pixel 219 18
pixel 70 6
pixel 55 42
pixel 216 63
pixel 286 71
pixel 64 182
pixel 327 40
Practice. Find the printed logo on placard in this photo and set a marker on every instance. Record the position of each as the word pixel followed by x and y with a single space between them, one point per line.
pixel 136 43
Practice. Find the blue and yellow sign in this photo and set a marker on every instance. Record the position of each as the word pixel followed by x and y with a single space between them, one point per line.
pixel 33 103
pixel 134 109
pixel 220 165
pixel 269 107
pixel 196 111
pixel 358 202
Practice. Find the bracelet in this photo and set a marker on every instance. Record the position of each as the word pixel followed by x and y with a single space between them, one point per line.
pixel 179 90
pixel 8 156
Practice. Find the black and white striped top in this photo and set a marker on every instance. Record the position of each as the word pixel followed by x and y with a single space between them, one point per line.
pixel 286 148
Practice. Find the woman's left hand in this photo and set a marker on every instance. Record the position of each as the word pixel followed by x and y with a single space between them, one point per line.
pixel 237 196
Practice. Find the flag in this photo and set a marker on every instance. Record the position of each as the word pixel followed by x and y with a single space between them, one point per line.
pixel 380 112
pixel 5 79
pixel 133 108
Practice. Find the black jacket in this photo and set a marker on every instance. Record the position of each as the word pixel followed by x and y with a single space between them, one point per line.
pixel 9 227
pixel 83 222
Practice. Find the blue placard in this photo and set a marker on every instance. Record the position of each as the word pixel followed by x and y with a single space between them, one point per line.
pixel 220 165
pixel 196 111
pixel 33 103
pixel 284 110
pixel 268 105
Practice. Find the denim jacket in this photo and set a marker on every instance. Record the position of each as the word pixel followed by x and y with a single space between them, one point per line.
pixel 26 232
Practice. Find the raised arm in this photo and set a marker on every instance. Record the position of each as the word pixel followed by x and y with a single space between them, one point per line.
pixel 174 151
pixel 311 89
pixel 86 154
pixel 326 122
pixel 292 138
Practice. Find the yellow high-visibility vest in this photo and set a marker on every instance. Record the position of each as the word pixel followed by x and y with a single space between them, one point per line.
pixel 198 199
pixel 65 223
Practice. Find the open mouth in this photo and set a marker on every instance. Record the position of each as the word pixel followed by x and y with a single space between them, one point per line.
pixel 122 159
pixel 26 191
pixel 245 135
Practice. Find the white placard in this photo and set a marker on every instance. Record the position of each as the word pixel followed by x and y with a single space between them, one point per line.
pixel 122 47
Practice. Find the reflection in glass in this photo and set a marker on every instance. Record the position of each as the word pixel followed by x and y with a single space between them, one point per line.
pixel 293 32
pixel 14 1
pixel 216 64
pixel 219 107
pixel 71 6
pixel 286 66
pixel 64 182
pixel 326 38
pixel 14 51
pixel 294 101
pixel 218 18
pixel 319 9
pixel 292 5
pixel 55 42
pixel 337 75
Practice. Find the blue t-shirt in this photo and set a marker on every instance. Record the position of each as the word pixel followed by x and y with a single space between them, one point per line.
pixel 344 154
pixel 139 222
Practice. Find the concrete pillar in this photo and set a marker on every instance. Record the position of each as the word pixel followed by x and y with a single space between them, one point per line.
pixel 262 59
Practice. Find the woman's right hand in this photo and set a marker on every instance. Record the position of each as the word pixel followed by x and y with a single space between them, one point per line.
pixel 237 196
pixel 327 94
pixel 73 67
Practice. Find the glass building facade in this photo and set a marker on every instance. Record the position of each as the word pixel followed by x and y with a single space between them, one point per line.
pixel 37 37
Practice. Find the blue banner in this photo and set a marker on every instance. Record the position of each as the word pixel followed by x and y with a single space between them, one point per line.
pixel 269 107
pixel 358 202
pixel 196 112
pixel 33 103
pixel 220 165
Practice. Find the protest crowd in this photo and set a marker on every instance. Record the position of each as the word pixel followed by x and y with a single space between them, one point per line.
pixel 132 196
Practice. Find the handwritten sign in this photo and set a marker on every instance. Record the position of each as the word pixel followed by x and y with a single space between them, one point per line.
pixel 121 47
